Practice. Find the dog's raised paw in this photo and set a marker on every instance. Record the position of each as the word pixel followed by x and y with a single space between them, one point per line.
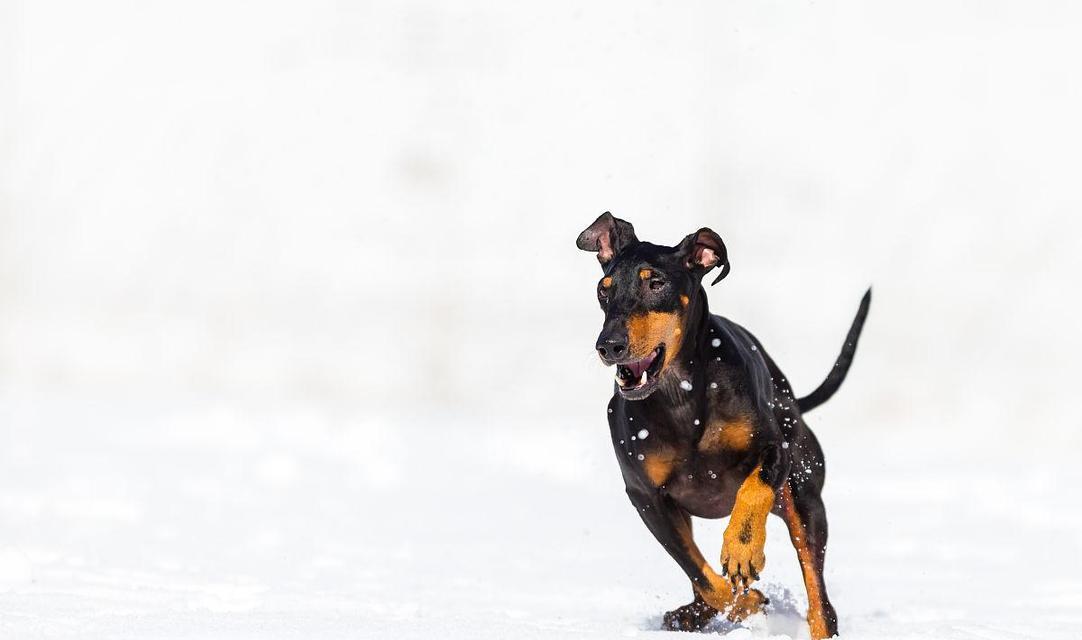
pixel 742 556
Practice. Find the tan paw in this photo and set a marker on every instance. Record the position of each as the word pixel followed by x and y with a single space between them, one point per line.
pixel 750 602
pixel 742 556
pixel 736 606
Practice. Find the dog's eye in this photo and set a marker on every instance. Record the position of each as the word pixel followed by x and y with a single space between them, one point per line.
pixel 656 284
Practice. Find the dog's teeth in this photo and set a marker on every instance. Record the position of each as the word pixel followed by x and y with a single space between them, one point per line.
pixel 643 381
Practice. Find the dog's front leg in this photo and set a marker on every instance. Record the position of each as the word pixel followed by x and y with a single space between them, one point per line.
pixel 742 556
pixel 671 525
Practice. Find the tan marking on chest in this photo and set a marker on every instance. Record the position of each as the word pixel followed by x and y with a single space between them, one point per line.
pixel 735 435
pixel 658 466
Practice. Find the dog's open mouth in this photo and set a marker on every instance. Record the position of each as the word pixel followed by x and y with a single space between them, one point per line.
pixel 635 376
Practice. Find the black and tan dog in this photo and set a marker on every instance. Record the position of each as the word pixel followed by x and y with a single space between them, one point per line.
pixel 705 424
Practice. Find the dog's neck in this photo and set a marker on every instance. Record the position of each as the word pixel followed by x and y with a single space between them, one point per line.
pixel 696 326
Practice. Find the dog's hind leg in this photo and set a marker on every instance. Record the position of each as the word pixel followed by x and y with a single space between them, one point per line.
pixel 806 518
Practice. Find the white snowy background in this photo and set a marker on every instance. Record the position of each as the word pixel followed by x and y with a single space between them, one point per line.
pixel 295 341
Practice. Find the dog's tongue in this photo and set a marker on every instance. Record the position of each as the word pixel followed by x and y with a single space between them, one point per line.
pixel 642 365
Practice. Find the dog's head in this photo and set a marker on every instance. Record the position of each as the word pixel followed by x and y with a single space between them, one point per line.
pixel 646 292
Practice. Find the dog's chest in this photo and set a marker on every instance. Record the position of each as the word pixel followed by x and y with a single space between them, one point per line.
pixel 672 460
pixel 704 485
pixel 701 490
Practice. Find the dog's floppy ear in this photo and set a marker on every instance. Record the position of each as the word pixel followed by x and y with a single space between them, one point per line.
pixel 607 236
pixel 702 251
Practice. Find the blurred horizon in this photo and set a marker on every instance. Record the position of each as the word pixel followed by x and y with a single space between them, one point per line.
pixel 372 208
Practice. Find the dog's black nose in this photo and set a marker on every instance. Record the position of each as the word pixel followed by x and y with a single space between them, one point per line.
pixel 611 347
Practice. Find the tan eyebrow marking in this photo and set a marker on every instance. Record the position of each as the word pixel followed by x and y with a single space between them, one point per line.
pixel 606 282
pixel 645 274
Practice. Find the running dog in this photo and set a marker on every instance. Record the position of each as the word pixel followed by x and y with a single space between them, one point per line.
pixel 705 424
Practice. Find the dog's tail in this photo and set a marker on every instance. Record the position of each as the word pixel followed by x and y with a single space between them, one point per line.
pixel 841 366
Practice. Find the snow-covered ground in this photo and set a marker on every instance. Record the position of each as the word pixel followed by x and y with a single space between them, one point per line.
pixel 167 517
